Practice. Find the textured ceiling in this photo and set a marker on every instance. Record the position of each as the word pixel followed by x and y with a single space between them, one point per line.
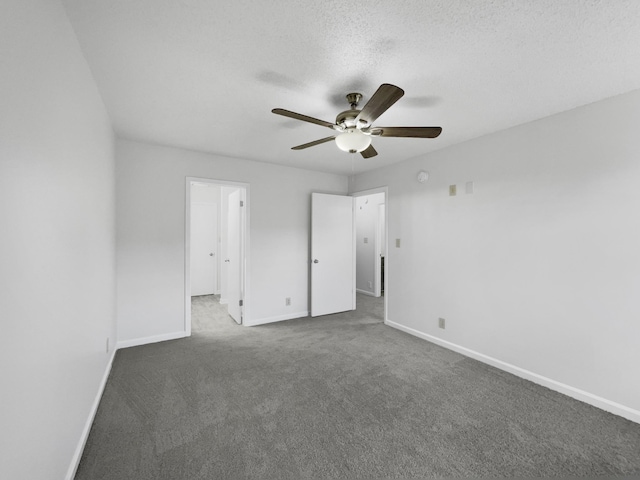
pixel 205 74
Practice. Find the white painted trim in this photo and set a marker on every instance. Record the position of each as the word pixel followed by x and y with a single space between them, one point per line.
pixel 371 191
pixel 576 393
pixel 187 258
pixel 279 318
pixel 353 251
pixel 153 339
pixel 365 292
pixel 77 455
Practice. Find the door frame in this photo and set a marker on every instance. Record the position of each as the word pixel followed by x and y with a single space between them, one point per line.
pixel 384 190
pixel 244 248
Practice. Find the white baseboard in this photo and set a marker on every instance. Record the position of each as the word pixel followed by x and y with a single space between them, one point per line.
pixel 279 318
pixel 365 292
pixel 586 397
pixel 153 339
pixel 77 455
pixel 75 460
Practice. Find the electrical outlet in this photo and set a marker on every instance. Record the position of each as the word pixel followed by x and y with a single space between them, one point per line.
pixel 370 284
pixel 107 344
pixel 397 243
pixel 287 301
pixel 452 190
pixel 366 239
pixel 441 323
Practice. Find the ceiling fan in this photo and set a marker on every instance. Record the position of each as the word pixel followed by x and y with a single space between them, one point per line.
pixel 355 126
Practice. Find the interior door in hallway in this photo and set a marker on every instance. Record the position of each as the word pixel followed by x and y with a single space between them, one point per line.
pixel 333 258
pixel 204 246
pixel 234 257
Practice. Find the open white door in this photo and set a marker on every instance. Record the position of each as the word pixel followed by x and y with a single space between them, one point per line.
pixel 204 246
pixel 333 258
pixel 233 259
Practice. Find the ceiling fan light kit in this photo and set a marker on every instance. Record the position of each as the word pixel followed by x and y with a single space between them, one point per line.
pixel 353 141
pixel 355 126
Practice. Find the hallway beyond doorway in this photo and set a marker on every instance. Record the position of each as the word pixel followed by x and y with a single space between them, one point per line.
pixel 369 307
pixel 208 315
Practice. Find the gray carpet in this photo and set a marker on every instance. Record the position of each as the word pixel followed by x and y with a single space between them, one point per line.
pixel 341 396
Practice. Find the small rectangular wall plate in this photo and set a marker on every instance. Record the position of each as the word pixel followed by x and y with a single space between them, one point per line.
pixel 441 323
pixel 397 243
pixel 469 188
pixel 452 190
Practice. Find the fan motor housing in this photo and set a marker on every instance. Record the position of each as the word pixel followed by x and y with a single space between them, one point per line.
pixel 347 118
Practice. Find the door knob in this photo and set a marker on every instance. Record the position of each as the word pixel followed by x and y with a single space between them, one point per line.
pixel 315 261
pixel 211 254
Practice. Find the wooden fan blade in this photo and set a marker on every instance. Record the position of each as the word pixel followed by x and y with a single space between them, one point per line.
pixel 415 132
pixel 314 143
pixel 369 152
pixel 385 96
pixel 299 116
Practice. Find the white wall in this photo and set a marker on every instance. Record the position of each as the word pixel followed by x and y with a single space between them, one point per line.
pixel 150 184
pixel 540 267
pixel 367 208
pixel 57 247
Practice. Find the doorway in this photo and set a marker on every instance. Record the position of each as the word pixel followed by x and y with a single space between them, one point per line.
pixel 371 250
pixel 216 239
pixel 335 247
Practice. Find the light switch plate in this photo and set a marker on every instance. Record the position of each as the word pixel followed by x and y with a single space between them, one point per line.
pixel 397 243
pixel 469 188
pixel 452 190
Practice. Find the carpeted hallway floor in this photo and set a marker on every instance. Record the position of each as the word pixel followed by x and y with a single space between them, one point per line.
pixel 341 396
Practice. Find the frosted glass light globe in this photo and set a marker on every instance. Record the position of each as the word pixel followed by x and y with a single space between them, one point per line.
pixel 353 141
